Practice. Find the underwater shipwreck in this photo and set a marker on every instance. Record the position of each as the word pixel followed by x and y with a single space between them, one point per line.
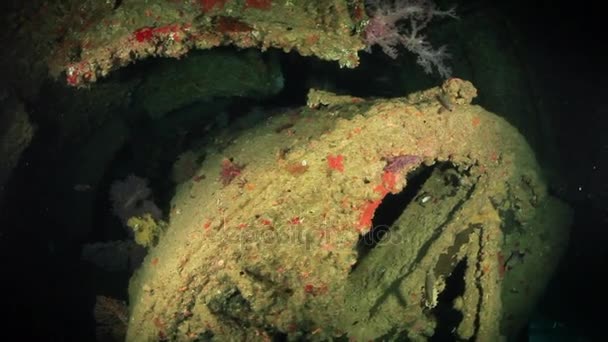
pixel 348 218
pixel 280 246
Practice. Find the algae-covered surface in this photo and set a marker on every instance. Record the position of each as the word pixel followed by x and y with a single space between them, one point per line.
pixel 97 37
pixel 201 77
pixel 266 239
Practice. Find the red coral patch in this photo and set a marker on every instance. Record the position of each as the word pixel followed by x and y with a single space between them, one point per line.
pixel 227 25
pixel 336 162
pixel 259 4
pixel 368 214
pixel 208 5
pixel 144 34
pixel 229 171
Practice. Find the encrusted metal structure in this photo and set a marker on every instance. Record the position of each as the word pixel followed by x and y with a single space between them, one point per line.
pixel 269 239
pixel 100 36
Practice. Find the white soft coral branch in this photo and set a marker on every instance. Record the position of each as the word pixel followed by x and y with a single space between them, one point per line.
pixel 387 29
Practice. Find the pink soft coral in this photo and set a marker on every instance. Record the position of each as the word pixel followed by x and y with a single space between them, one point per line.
pixel 399 23
pixel 132 197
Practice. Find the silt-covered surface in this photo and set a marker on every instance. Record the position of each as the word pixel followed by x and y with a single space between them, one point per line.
pixel 265 240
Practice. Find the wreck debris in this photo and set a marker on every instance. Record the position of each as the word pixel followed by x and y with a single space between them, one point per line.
pixel 280 258
pixel 96 37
